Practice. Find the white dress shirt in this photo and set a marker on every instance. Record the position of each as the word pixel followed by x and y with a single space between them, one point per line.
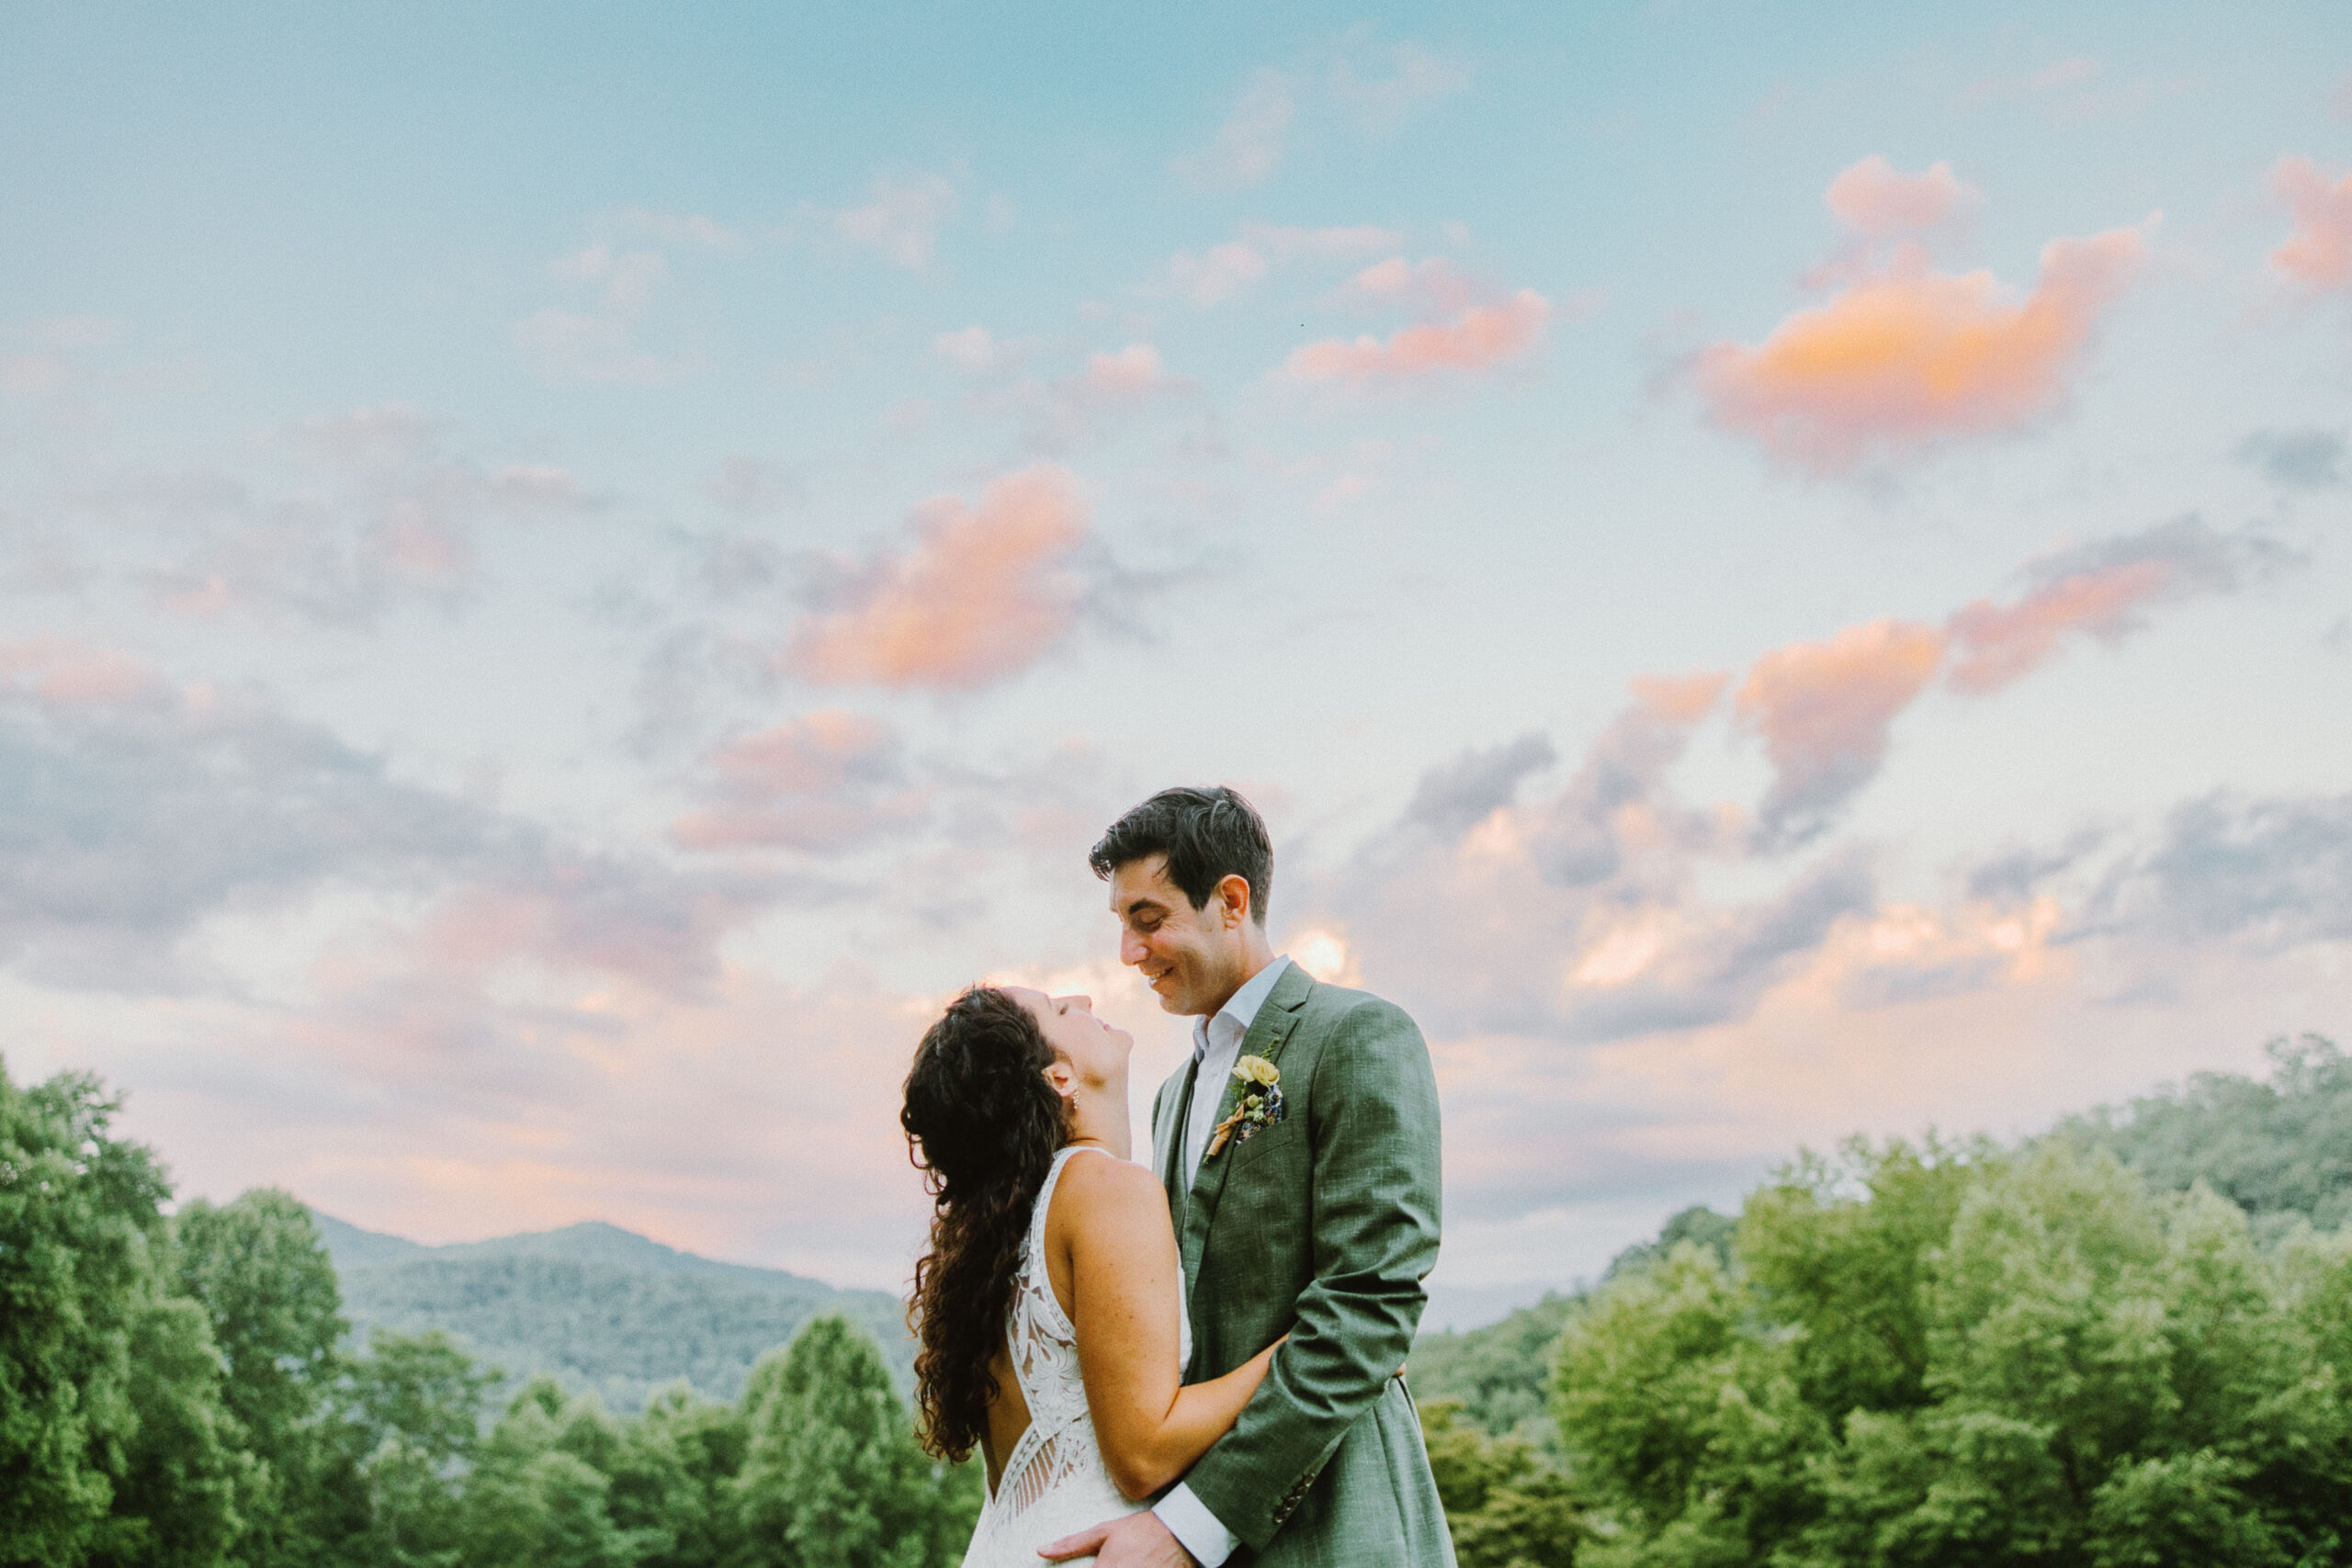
pixel 1216 1045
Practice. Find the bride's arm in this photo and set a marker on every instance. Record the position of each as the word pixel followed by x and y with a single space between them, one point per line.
pixel 1124 1299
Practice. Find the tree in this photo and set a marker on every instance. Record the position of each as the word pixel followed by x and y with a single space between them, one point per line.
pixel 676 1470
pixel 833 1475
pixel 80 1216
pixel 1507 1505
pixel 532 1501
pixel 263 1278
pixel 186 1476
pixel 414 1408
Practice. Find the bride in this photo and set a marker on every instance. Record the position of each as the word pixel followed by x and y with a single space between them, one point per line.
pixel 1050 1306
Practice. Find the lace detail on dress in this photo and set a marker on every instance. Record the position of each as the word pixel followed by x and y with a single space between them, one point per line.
pixel 1056 1459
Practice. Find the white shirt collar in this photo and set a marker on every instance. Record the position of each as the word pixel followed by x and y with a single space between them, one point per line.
pixel 1240 1011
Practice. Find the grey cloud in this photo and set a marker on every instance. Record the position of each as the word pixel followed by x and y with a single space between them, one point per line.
pixel 2020 873
pixel 1456 796
pixel 2272 873
pixel 749 486
pixel 2202 558
pixel 124 826
pixel 2296 459
pixel 1575 841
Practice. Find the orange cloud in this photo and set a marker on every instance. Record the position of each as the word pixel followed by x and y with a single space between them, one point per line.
pixel 1822 709
pixel 2005 641
pixel 1873 197
pixel 2318 253
pixel 1905 355
pixel 1479 339
pixel 985 592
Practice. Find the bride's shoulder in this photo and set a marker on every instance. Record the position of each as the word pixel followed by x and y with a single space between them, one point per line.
pixel 1097 1185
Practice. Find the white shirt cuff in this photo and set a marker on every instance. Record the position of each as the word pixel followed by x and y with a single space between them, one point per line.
pixel 1196 1530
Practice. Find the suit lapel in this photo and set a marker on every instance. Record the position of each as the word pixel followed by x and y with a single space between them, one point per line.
pixel 1168 1134
pixel 1268 1032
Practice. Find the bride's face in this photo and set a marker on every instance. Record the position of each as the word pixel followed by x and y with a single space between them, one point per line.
pixel 1097 1054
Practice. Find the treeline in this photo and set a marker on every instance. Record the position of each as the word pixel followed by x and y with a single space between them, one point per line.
pixel 1951 1355
pixel 176 1392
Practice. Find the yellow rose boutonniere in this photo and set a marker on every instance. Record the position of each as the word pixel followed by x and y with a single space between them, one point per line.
pixel 1261 1104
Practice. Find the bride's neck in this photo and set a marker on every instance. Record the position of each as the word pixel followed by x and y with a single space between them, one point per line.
pixel 1101 1120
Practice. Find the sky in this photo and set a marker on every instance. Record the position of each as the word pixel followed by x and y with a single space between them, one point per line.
pixel 569 573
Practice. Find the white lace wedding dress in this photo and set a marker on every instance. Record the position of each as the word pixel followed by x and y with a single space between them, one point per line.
pixel 1055 1483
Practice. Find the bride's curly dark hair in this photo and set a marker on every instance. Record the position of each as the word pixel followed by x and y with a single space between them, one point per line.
pixel 983 1124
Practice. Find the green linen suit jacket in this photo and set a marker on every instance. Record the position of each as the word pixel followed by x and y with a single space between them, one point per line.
pixel 1322 1226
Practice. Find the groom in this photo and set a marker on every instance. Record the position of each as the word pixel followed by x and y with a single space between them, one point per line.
pixel 1318 1219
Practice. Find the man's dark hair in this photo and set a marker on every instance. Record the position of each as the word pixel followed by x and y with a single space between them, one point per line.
pixel 1207 836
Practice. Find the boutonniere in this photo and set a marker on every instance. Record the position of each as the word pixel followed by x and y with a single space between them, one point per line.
pixel 1262 1103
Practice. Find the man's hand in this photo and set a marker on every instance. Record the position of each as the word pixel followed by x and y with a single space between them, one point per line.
pixel 1137 1540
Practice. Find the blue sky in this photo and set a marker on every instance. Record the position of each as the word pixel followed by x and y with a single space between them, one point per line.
pixel 570 572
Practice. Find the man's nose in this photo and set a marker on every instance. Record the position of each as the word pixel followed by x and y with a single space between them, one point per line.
pixel 1130 948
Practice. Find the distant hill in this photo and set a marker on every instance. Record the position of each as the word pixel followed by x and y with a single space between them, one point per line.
pixel 597 1307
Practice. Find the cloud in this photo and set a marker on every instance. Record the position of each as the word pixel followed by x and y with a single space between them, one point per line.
pixel 973 350
pixel 1453 798
pixel 1217 273
pixel 2100 589
pixel 1616 803
pixel 1479 339
pixel 67 670
pixel 1133 371
pixel 2033 83
pixel 354 516
pixel 139 812
pixel 1249 145
pixel 598 345
pixel 380 513
pixel 1824 709
pixel 2298 460
pixel 901 219
pixel 2318 253
pixel 986 591
pixel 2266 873
pixel 1224 272
pixel 1906 356
pixel 1416 77
pixel 826 781
pixel 1434 284
pixel 749 486
pixel 1873 198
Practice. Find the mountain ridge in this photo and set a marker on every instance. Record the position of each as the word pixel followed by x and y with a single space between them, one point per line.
pixel 594 1305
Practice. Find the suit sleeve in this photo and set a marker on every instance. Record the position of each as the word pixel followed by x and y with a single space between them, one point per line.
pixel 1374 1125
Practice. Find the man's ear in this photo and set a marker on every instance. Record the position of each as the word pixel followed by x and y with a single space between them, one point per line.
pixel 1233 898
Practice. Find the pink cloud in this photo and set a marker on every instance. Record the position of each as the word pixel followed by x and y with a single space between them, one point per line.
pixel 824 781
pixel 2005 641
pixel 66 671
pixel 1906 356
pixel 1435 284
pixel 1824 709
pixel 2318 253
pixel 1133 371
pixel 985 593
pixel 1873 197
pixel 1479 339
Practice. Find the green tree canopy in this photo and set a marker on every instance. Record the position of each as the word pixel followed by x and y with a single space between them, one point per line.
pixel 80 1218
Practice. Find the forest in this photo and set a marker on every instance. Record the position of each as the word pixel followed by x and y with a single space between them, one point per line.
pixel 2125 1342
